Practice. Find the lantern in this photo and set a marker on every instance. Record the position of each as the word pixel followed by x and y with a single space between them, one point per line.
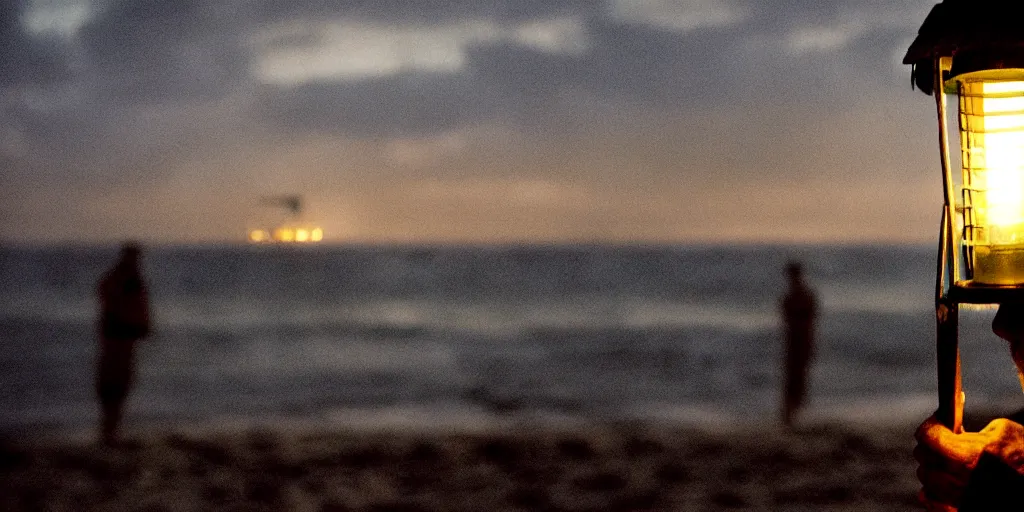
pixel 968 49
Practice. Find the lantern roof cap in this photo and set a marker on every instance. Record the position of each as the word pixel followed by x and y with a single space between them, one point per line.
pixel 957 25
pixel 985 33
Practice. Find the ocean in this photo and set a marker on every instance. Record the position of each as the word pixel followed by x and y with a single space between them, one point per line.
pixel 438 336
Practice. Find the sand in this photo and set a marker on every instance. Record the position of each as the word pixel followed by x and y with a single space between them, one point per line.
pixel 599 467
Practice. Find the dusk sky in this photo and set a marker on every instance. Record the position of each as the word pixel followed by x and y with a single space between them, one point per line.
pixel 466 121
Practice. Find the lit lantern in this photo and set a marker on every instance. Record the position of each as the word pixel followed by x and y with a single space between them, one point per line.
pixel 965 48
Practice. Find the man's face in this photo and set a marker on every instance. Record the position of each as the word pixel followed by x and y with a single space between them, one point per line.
pixel 1009 325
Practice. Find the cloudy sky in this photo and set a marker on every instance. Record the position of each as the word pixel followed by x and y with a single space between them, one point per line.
pixel 665 121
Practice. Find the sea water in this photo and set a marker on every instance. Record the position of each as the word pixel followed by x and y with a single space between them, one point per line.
pixel 458 335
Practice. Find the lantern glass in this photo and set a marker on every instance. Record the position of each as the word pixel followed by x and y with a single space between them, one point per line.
pixel 992 146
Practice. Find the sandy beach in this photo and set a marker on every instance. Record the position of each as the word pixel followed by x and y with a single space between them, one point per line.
pixel 598 467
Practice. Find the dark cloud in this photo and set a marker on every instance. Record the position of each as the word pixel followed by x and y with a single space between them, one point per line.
pixel 25 60
pixel 646 64
pixel 150 51
pixel 98 146
pixel 421 11
pixel 119 111
pixel 513 83
pixel 404 104
pixel 627 62
pixel 782 14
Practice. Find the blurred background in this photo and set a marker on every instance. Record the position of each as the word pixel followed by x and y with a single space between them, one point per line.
pixel 555 209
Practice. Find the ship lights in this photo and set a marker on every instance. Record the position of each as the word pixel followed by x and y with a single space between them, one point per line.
pixel 287 234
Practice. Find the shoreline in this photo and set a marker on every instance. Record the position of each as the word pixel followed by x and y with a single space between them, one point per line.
pixel 598 466
pixel 884 412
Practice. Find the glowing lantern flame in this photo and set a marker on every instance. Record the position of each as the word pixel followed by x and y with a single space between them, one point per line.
pixel 992 141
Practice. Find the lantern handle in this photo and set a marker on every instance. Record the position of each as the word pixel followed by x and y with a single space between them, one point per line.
pixel 951 398
pixel 947 346
pixel 943 64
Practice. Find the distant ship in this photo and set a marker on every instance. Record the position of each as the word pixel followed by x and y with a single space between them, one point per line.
pixel 293 230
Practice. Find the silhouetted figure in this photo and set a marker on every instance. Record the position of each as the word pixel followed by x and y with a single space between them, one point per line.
pixel 799 309
pixel 123 320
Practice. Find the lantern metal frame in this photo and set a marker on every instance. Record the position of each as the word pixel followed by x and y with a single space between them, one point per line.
pixel 953 285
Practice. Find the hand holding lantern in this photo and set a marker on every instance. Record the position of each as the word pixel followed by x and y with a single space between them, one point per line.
pixel 948 464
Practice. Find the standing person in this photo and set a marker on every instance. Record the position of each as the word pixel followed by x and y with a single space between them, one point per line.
pixel 799 309
pixel 123 320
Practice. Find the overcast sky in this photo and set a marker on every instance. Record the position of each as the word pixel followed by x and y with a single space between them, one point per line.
pixel 679 121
